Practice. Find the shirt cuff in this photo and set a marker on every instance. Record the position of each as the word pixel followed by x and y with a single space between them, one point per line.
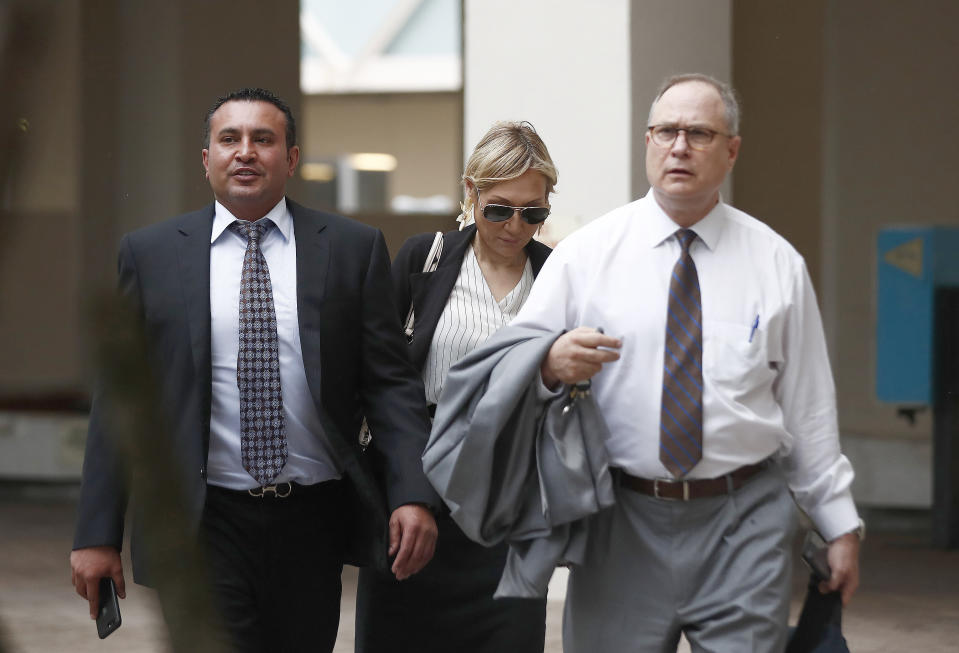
pixel 836 517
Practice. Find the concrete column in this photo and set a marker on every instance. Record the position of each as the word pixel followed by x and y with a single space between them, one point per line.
pixel 669 38
pixel 778 55
pixel 40 266
pixel 150 71
pixel 111 117
pixel 228 44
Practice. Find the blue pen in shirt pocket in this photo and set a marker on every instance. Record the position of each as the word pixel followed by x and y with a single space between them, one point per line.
pixel 752 331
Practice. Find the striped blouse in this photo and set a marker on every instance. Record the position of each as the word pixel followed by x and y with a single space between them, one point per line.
pixel 471 315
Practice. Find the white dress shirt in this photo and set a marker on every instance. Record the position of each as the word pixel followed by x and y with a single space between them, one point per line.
pixel 309 459
pixel 470 317
pixel 768 388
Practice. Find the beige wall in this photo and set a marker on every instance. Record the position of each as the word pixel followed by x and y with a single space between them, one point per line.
pixel 849 111
pixel 258 46
pixel 778 53
pixel 422 130
pixel 40 303
pixel 40 263
pixel 669 38
pixel 115 95
pixel 44 177
pixel 892 116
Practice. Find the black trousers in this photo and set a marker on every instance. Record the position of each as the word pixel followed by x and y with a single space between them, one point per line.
pixel 449 606
pixel 275 566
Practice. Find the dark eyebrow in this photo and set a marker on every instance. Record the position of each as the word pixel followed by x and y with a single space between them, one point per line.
pixel 260 131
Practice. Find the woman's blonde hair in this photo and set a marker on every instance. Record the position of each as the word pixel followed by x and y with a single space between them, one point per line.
pixel 505 152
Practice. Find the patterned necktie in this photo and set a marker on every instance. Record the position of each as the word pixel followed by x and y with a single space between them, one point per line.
pixel 263 446
pixel 681 416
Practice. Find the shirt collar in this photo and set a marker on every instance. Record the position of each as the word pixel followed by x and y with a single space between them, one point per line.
pixel 660 226
pixel 278 215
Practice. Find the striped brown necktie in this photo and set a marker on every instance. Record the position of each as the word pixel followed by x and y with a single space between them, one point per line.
pixel 681 416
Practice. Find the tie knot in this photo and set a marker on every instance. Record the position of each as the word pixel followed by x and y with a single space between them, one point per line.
pixel 686 238
pixel 252 231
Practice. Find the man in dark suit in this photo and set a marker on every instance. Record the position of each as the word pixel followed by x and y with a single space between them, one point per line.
pixel 270 331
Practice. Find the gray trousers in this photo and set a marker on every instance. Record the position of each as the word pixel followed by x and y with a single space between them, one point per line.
pixel 716 569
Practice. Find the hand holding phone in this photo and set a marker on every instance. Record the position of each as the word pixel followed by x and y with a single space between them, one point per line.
pixel 108 614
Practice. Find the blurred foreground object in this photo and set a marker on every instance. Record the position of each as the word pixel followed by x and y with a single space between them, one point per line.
pixel 174 559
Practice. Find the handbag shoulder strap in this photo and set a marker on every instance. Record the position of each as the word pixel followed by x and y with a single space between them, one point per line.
pixel 429 265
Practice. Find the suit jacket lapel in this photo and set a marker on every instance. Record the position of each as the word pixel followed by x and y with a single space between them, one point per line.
pixel 429 291
pixel 430 288
pixel 313 263
pixel 193 254
pixel 312 273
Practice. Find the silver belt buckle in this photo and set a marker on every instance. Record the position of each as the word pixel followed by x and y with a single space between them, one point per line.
pixel 657 481
pixel 280 490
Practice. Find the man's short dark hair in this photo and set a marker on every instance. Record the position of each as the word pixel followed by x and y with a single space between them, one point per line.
pixel 253 95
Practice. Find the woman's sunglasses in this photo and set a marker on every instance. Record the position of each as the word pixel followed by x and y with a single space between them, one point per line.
pixel 502 213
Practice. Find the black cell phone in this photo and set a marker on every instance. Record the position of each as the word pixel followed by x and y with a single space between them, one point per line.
pixel 814 554
pixel 108 616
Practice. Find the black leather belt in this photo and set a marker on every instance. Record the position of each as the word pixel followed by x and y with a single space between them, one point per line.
pixel 697 488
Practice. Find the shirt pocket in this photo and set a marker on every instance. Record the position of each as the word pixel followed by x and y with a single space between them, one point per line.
pixel 736 356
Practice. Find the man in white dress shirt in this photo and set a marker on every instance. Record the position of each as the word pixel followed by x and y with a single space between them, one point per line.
pixel 713 376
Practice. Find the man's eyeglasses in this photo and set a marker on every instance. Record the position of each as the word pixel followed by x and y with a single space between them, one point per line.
pixel 699 138
pixel 502 213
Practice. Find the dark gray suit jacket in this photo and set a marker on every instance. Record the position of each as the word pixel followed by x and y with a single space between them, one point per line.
pixel 354 356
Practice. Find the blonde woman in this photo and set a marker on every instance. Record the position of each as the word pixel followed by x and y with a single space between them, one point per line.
pixel 483 278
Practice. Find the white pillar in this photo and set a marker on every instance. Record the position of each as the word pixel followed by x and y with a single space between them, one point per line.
pixel 563 65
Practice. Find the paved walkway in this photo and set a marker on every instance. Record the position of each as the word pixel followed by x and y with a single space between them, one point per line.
pixel 909 599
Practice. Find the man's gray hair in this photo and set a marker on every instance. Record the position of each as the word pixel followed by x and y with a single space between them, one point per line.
pixel 726 93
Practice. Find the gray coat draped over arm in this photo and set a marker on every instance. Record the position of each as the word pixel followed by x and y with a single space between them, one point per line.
pixel 515 462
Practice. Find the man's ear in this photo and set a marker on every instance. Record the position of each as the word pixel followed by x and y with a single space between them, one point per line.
pixel 205 154
pixel 733 150
pixel 293 157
